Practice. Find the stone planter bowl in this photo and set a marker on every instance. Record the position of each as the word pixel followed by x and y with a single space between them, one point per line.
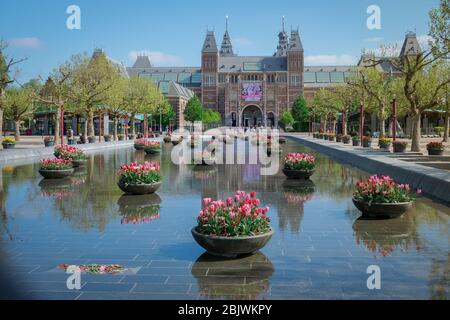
pixel 49 143
pixel 79 163
pixel 139 147
pixel 382 210
pixel 345 141
pixel 298 174
pixel 398 148
pixel 107 139
pixel 9 146
pixel 56 174
pixel 367 143
pixel 385 146
pixel 92 140
pixel 231 247
pixel 356 143
pixel 435 152
pixel 152 150
pixel 139 189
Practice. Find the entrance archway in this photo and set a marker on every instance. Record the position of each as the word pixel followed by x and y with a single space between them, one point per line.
pixel 252 116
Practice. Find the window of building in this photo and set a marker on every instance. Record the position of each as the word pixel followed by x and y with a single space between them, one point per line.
pixel 209 80
pixel 282 78
pixel 234 78
pixel 310 77
pixel 323 77
pixel 222 78
pixel 337 77
pixel 271 78
pixel 295 80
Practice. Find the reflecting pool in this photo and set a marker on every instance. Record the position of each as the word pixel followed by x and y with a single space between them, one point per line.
pixel 321 248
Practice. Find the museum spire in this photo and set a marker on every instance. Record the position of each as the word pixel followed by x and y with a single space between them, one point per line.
pixel 283 41
pixel 226 50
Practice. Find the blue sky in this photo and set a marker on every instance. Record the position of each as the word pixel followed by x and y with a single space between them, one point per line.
pixel 333 32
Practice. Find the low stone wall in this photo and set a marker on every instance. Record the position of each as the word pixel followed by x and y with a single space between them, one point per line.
pixel 433 182
pixel 18 156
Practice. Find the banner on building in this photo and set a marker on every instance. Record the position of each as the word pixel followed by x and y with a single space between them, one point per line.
pixel 252 91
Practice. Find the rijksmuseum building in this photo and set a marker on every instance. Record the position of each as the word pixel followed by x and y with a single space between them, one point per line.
pixel 246 90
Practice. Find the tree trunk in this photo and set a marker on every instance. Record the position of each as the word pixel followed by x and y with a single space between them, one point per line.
pixel 382 127
pixel 17 130
pixel 116 123
pixel 133 126
pixel 447 126
pixel 90 124
pixel 2 103
pixel 416 132
pixel 57 123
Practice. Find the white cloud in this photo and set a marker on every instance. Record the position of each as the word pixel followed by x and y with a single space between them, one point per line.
pixel 31 42
pixel 330 60
pixel 157 58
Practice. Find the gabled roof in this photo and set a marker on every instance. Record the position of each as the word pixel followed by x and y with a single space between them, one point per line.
pixel 295 44
pixel 210 44
pixel 142 62
pixel 411 45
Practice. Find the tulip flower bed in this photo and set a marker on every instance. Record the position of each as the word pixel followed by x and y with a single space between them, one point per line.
pixel 299 161
pixel 70 153
pixel 234 217
pixel 135 173
pixel 382 190
pixel 152 145
pixel 56 164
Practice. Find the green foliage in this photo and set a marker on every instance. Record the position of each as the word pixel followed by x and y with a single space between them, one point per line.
pixel 211 117
pixel 440 28
pixel 300 110
pixel 194 110
pixel 287 119
pixel 18 103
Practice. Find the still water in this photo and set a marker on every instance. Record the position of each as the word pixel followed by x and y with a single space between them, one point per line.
pixel 321 248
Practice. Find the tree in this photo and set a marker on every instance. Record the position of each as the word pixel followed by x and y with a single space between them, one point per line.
pixel 91 84
pixel 440 28
pixel 194 110
pixel 421 72
pixel 115 102
pixel 168 115
pixel 18 106
pixel 300 113
pixel 287 120
pixel 380 88
pixel 57 90
pixel 325 105
pixel 347 100
pixel 141 96
pixel 6 66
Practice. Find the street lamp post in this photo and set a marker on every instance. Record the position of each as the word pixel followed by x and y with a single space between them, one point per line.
pixel 361 122
pixel 61 121
pixel 100 126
